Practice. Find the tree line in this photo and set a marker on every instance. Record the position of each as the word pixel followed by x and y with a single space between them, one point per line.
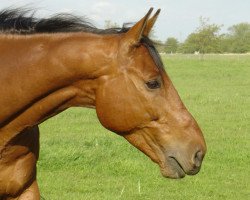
pixel 207 39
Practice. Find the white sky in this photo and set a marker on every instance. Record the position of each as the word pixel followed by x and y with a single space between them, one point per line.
pixel 178 17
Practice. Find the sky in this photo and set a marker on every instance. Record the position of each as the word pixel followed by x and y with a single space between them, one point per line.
pixel 178 18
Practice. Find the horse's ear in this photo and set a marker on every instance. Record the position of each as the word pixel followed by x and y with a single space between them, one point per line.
pixel 133 36
pixel 150 23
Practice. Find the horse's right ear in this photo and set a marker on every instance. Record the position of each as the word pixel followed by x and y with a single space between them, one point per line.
pixel 150 23
pixel 133 36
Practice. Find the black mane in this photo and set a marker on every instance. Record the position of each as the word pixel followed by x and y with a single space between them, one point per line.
pixel 22 21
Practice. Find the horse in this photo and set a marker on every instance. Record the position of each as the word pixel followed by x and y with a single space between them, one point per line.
pixel 51 64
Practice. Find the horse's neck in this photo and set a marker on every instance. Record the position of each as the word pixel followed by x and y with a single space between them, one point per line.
pixel 44 74
pixel 54 58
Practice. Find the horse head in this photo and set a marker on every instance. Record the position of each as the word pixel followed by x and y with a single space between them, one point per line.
pixel 139 102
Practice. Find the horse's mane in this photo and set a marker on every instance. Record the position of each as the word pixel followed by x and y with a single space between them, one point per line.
pixel 23 21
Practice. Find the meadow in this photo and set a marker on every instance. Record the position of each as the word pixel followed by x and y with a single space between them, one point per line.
pixel 80 160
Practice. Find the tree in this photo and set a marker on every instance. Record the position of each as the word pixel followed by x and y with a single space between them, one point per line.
pixel 204 40
pixel 159 45
pixel 191 44
pixel 239 36
pixel 171 45
pixel 225 43
pixel 109 24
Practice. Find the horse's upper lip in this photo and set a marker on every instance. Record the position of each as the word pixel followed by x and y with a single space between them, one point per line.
pixel 176 163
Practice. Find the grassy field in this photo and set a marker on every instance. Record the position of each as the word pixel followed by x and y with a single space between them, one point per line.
pixel 81 160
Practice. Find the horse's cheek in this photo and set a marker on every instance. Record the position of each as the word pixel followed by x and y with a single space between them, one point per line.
pixel 117 110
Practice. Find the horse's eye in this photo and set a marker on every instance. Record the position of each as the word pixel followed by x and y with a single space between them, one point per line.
pixel 154 84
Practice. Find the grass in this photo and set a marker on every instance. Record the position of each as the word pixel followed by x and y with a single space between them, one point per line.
pixel 81 160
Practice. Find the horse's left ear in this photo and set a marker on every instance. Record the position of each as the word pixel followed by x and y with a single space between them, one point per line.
pixel 133 36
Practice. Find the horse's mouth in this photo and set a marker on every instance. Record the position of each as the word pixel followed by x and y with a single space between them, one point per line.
pixel 173 169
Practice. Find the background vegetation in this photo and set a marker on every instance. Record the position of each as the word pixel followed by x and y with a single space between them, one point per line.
pixel 208 39
pixel 81 160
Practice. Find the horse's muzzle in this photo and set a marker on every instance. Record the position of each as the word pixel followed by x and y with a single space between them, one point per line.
pixel 178 167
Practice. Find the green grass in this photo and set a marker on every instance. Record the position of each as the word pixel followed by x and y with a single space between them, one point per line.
pixel 81 160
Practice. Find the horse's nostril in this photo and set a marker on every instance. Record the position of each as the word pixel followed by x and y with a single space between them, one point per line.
pixel 198 157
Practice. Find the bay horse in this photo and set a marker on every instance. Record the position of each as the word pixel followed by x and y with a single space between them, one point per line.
pixel 49 65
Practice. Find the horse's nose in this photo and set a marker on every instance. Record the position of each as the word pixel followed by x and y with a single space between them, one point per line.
pixel 197 159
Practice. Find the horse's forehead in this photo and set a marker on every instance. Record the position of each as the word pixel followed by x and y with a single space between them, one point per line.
pixel 144 61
